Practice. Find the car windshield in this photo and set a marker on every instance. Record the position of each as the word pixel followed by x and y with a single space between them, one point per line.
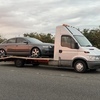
pixel 83 41
pixel 33 40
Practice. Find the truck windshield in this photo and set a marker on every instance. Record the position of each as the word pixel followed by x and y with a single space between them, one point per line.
pixel 82 40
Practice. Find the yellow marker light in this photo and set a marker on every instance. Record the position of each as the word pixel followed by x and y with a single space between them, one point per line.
pixel 65 25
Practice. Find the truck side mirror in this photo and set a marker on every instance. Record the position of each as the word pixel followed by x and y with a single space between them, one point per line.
pixel 76 46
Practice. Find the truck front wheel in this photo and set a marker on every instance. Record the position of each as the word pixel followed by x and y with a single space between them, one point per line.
pixel 80 66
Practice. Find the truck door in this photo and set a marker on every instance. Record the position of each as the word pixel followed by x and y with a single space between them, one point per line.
pixel 67 50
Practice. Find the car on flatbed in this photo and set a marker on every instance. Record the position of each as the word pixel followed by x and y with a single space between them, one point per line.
pixel 26 46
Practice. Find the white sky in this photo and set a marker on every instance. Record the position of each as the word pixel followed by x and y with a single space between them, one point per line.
pixel 42 16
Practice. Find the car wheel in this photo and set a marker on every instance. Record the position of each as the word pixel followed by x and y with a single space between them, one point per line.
pixel 80 66
pixel 35 52
pixel 2 53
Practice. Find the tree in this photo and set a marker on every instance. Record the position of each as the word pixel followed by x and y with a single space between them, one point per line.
pixel 1 39
pixel 48 38
pixel 93 35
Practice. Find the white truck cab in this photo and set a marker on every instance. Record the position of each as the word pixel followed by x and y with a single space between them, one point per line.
pixel 72 48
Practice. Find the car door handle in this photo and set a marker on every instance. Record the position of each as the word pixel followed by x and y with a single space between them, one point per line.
pixel 60 51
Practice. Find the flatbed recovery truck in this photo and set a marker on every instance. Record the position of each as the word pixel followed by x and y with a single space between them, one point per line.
pixel 71 49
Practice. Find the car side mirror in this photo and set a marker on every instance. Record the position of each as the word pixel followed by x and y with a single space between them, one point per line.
pixel 76 46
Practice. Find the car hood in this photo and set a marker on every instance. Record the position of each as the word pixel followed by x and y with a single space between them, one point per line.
pixel 44 44
pixel 47 44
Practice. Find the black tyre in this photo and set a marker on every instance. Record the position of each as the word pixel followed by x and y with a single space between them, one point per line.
pixel 19 63
pixel 80 66
pixel 35 53
pixel 2 53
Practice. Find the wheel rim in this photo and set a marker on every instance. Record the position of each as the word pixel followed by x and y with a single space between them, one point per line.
pixel 2 53
pixel 79 67
pixel 35 52
pixel 19 63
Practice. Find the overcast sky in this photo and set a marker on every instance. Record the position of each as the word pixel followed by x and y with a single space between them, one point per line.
pixel 42 16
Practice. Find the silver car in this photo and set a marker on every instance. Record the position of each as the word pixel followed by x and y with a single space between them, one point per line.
pixel 26 46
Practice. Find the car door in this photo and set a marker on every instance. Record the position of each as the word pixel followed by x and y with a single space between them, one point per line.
pixel 67 50
pixel 22 47
pixel 10 46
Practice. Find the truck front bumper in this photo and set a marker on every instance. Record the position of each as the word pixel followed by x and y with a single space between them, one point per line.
pixel 93 64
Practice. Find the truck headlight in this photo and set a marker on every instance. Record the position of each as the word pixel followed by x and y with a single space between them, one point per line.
pixel 94 58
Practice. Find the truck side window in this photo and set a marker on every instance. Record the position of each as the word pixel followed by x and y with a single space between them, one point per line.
pixel 67 41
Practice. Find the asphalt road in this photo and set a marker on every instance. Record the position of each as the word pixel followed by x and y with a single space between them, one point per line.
pixel 47 83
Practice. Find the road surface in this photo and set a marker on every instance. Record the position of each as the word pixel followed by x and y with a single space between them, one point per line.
pixel 47 83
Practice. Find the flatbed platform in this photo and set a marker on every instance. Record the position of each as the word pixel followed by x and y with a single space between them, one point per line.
pixel 20 61
pixel 26 58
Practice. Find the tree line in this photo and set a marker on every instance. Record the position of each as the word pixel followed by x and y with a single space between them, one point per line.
pixel 93 35
pixel 1 39
pixel 47 38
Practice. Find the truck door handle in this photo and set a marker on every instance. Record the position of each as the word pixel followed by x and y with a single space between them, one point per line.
pixel 60 51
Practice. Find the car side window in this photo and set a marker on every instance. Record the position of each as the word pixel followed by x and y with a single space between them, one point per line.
pixel 67 41
pixel 11 41
pixel 20 40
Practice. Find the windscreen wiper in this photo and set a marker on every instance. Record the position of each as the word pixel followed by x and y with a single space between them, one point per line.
pixel 88 45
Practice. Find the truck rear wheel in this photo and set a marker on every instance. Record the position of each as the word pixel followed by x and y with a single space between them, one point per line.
pixel 19 63
pixel 80 66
